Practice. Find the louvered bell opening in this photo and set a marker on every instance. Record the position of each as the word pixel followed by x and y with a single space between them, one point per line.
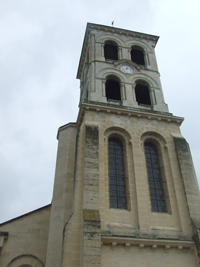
pixel 142 95
pixel 113 90
pixel 110 52
pixel 137 56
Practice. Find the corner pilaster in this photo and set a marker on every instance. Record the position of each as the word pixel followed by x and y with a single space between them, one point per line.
pixel 91 218
pixel 190 185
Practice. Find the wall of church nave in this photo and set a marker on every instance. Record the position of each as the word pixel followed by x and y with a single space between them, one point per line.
pixel 27 235
pixel 119 256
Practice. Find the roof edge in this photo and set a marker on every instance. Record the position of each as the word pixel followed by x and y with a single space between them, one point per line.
pixel 18 217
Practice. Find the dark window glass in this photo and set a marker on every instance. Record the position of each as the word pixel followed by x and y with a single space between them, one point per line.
pixel 142 95
pixel 111 52
pixel 117 182
pixel 113 90
pixel 155 179
pixel 137 56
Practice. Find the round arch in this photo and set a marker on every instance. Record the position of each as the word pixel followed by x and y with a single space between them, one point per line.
pixel 110 41
pixel 26 260
pixel 104 38
pixel 119 132
pixel 145 47
pixel 145 78
pixel 140 47
pixel 143 81
pixel 154 137
pixel 105 73
pixel 113 77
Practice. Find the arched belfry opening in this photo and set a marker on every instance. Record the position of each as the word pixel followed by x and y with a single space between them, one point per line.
pixel 113 89
pixel 110 50
pixel 142 94
pixel 137 55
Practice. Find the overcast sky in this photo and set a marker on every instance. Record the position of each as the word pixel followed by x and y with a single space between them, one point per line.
pixel 40 46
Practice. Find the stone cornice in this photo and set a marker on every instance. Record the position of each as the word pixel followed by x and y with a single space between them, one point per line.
pixel 120 31
pixel 126 111
pixel 142 243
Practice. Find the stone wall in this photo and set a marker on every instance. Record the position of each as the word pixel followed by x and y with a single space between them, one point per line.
pixel 27 239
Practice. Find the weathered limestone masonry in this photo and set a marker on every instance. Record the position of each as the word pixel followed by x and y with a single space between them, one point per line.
pixel 190 185
pixel 62 203
pixel 125 191
pixel 91 217
pixel 25 239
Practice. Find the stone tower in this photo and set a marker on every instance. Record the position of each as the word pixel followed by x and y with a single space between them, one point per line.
pixel 125 191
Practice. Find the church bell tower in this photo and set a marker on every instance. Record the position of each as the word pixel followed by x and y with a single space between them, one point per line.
pixel 125 190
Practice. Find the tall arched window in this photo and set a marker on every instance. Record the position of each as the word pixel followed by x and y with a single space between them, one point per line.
pixel 142 94
pixel 137 55
pixel 110 51
pixel 117 181
pixel 157 194
pixel 113 90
